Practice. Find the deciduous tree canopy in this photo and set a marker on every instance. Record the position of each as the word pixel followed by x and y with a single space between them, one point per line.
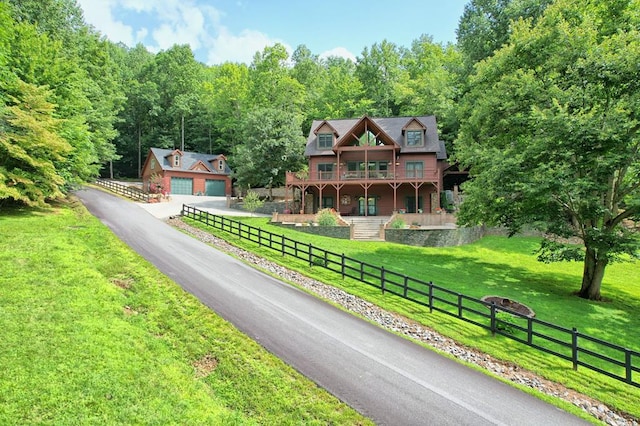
pixel 551 134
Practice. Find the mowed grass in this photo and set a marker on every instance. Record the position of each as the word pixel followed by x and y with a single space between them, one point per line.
pixel 92 334
pixel 495 266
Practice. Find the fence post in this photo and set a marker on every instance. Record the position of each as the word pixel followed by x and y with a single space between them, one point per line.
pixel 270 239
pixel 493 318
pixel 406 286
pixel 361 271
pixel 627 365
pixel 295 248
pixel 574 348
pixel 529 330
pixel 342 265
pixel 382 278
pixel 430 297
pixel 310 255
pixel 283 246
pixel 460 305
pixel 259 237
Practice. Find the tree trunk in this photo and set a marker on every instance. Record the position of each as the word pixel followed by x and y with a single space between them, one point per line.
pixel 139 152
pixel 594 266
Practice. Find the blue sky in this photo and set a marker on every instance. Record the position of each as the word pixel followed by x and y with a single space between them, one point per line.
pixel 233 30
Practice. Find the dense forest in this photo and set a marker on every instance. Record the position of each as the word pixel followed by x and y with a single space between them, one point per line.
pixel 540 98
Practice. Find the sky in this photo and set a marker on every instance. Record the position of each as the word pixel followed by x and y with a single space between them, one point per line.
pixel 233 30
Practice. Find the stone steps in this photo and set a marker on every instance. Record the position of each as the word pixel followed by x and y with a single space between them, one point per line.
pixel 367 228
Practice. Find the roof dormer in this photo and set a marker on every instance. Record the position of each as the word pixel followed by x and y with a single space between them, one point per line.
pixel 175 158
pixel 414 133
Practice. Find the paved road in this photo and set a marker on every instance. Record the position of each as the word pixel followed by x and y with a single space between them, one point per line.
pixel 385 377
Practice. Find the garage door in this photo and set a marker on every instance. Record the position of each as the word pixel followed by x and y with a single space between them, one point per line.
pixel 214 187
pixel 182 186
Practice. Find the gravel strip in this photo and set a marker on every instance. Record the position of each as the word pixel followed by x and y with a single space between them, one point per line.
pixel 401 325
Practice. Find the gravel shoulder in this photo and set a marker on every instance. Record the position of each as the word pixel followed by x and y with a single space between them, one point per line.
pixel 418 332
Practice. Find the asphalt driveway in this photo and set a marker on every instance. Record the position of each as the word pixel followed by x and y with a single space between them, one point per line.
pixel 387 378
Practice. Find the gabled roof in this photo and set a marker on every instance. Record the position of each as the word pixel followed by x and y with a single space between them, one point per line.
pixel 189 161
pixel 365 124
pixel 393 127
pixel 414 120
pixel 317 128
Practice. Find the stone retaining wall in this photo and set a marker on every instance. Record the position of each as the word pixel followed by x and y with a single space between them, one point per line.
pixel 434 237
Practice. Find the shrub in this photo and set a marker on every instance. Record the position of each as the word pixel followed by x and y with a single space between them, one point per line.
pixel 397 223
pixel 326 217
pixel 252 202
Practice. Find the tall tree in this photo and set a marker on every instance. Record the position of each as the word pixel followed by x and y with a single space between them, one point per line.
pixel 272 86
pixel 272 144
pixel 31 148
pixel 485 25
pixel 342 94
pixel 379 69
pixel 178 77
pixel 431 86
pixel 552 134
pixel 225 99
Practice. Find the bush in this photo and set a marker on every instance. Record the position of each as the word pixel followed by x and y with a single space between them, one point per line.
pixel 326 217
pixel 397 223
pixel 252 202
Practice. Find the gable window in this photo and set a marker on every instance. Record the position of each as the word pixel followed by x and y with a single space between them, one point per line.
pixel 325 140
pixel 325 171
pixel 220 165
pixel 176 161
pixel 414 169
pixel 153 163
pixel 414 138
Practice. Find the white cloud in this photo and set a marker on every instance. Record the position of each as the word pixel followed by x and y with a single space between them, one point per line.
pixel 98 13
pixel 238 48
pixel 171 22
pixel 340 52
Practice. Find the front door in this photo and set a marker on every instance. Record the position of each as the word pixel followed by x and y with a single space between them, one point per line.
pixel 370 206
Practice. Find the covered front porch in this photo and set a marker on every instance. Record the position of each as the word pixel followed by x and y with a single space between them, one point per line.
pixel 363 199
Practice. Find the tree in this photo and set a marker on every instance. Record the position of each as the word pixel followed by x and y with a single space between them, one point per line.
pixel 552 135
pixel 379 71
pixel 272 86
pixel 431 87
pixel 272 144
pixel 342 94
pixel 225 98
pixel 178 77
pixel 485 25
pixel 31 149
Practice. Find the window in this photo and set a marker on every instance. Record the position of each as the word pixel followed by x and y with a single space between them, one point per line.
pixel 327 202
pixel 153 163
pixel 325 170
pixel 414 138
pixel 176 161
pixel 414 169
pixel 325 140
pixel 220 165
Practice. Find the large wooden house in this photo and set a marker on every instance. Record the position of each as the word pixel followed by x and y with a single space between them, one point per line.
pixel 372 166
pixel 189 173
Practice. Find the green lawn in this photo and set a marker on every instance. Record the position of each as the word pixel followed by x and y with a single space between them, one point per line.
pixel 93 334
pixel 496 266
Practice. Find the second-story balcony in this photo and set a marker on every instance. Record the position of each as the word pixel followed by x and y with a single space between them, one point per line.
pixel 362 176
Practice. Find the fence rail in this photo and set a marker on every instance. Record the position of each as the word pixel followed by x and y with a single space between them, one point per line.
pixel 580 349
pixel 127 191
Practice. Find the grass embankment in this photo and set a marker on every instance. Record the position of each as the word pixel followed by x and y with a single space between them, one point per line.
pixel 92 333
pixel 495 266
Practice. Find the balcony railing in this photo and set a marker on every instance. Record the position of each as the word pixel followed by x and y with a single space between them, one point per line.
pixel 364 175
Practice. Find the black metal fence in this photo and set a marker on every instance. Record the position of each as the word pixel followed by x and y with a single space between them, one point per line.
pixel 569 344
pixel 127 191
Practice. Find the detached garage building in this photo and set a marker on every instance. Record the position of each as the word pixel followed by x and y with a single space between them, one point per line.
pixel 187 173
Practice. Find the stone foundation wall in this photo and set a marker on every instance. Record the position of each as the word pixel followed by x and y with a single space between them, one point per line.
pixel 434 237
